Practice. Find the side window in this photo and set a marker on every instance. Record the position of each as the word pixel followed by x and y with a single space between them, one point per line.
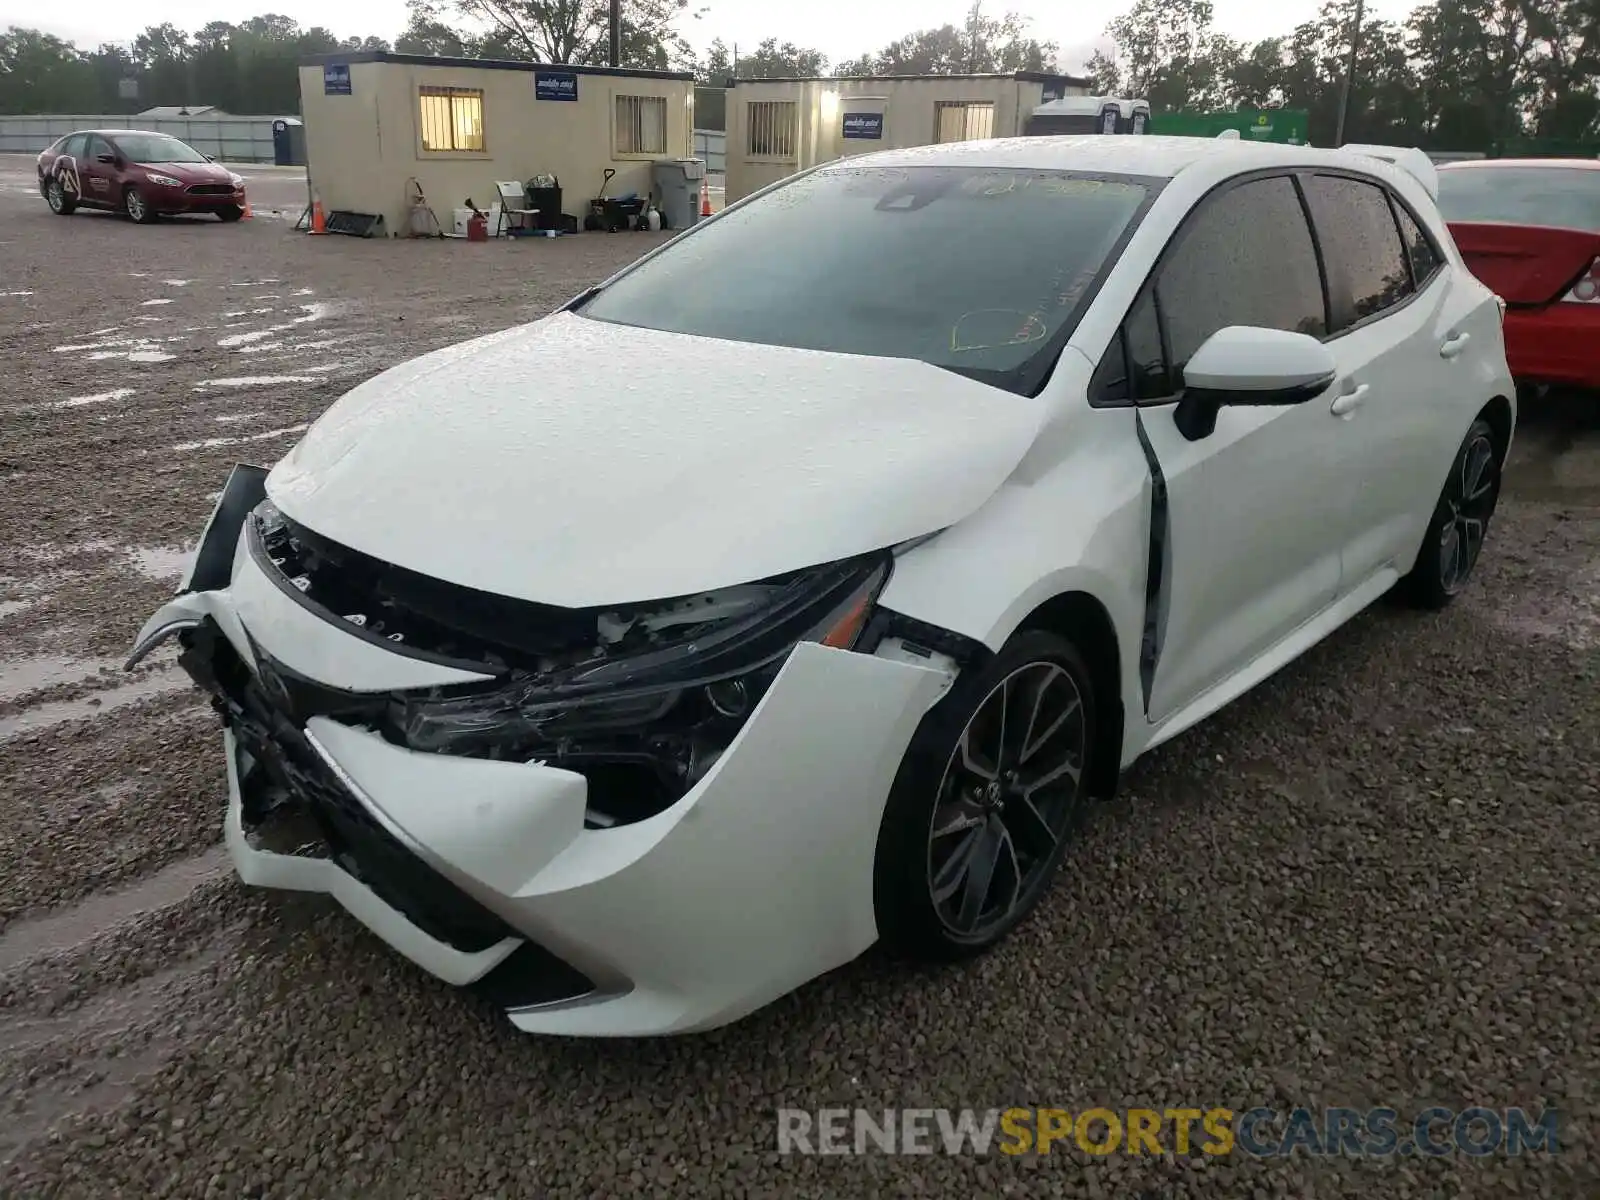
pixel 1425 259
pixel 1134 366
pixel 1247 259
pixel 1367 268
pixel 75 145
pixel 97 147
pixel 1147 361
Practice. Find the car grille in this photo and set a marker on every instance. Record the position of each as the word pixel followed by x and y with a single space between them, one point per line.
pixel 211 189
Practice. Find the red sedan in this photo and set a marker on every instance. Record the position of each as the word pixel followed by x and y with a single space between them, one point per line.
pixel 146 175
pixel 1530 229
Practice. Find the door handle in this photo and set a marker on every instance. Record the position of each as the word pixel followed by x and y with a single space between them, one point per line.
pixel 1454 345
pixel 1346 403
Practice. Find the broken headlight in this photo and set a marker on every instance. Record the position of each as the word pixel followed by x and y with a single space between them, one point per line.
pixel 675 706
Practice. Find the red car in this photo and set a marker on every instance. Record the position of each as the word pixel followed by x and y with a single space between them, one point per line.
pixel 1530 229
pixel 146 175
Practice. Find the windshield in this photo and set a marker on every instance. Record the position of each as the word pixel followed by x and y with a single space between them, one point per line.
pixel 978 270
pixel 156 148
pixel 1560 197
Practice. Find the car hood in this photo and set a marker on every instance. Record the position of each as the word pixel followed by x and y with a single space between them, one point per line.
pixel 206 172
pixel 578 463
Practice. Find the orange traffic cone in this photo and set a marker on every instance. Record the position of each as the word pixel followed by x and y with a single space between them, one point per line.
pixel 705 198
pixel 248 215
pixel 319 223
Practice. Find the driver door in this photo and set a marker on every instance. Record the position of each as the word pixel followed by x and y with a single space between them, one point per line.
pixel 1249 540
pixel 98 171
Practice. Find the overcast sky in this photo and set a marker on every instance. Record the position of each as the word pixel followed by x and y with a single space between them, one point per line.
pixel 839 28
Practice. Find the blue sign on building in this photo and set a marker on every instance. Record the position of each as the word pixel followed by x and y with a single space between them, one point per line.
pixel 336 79
pixel 555 85
pixel 864 125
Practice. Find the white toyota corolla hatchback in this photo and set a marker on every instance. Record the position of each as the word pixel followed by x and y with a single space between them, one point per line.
pixel 797 587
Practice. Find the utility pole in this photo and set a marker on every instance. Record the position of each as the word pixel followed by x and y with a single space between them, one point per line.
pixel 972 37
pixel 616 33
pixel 1349 75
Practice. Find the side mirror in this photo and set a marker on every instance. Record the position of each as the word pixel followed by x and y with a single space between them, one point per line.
pixel 1242 365
pixel 109 159
pixel 211 158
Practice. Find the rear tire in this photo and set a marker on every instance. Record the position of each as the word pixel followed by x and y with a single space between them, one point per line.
pixel 1460 523
pixel 56 197
pixel 137 207
pixel 989 795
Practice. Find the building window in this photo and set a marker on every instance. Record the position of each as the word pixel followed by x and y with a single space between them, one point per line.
pixel 641 125
pixel 771 131
pixel 452 118
pixel 963 120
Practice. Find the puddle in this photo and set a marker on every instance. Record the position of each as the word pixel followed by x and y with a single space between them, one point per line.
pixel 162 563
pixel 19 676
pixel 234 418
pixel 211 443
pixel 321 344
pixel 16 293
pixel 260 347
pixel 242 339
pixel 176 282
pixel 10 608
pixel 153 303
pixel 253 282
pixel 324 368
pixel 242 381
pixel 46 716
pixel 52 934
pixel 49 552
pixel 304 292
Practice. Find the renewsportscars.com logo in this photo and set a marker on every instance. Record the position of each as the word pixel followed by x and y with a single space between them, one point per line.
pixel 1257 1132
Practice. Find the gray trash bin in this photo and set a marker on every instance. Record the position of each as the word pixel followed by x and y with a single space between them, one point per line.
pixel 677 181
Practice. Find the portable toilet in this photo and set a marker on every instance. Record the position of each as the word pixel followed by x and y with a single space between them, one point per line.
pixel 1089 114
pixel 289 142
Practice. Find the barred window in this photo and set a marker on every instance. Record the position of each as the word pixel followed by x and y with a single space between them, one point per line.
pixel 641 125
pixel 452 118
pixel 772 128
pixel 963 120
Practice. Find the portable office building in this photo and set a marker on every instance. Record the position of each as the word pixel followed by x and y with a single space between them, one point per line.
pixel 779 126
pixel 376 121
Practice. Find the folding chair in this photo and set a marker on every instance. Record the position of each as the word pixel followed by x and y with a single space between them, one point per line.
pixel 513 204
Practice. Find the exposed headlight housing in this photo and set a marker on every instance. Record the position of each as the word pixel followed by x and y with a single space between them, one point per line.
pixel 236 180
pixel 163 180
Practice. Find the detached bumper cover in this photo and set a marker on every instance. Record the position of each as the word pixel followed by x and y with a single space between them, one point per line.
pixel 482 872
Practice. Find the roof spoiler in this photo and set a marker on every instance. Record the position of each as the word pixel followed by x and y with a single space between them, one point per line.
pixel 1408 158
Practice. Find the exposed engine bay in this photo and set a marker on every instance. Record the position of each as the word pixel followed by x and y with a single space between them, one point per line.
pixel 642 700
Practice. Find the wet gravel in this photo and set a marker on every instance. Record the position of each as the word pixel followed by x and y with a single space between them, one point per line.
pixel 1374 881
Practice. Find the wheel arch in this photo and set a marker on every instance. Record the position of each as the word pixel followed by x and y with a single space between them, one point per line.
pixel 1084 621
pixel 1502 421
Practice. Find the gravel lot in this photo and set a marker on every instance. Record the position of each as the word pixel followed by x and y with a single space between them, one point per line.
pixel 1372 882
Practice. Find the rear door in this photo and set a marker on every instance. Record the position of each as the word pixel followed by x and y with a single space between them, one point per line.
pixel 65 167
pixel 1401 337
pixel 1246 545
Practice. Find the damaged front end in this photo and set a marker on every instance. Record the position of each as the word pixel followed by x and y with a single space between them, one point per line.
pixel 640 700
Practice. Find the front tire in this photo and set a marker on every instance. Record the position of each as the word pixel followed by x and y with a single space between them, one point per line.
pixel 990 793
pixel 56 197
pixel 137 207
pixel 1460 523
pixel 230 213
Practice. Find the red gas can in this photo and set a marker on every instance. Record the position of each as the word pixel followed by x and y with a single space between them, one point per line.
pixel 477 228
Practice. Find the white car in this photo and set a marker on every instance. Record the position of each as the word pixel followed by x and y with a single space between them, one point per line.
pixel 797 587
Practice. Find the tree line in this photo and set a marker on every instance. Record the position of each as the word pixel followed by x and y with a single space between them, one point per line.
pixel 1456 74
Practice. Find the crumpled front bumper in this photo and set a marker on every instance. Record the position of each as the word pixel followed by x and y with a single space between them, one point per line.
pixel 757 880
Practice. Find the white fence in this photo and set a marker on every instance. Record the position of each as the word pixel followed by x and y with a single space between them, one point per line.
pixel 230 139
pixel 711 145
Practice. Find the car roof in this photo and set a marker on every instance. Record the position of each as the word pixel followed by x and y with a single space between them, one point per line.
pixel 113 133
pixel 1590 164
pixel 1148 155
